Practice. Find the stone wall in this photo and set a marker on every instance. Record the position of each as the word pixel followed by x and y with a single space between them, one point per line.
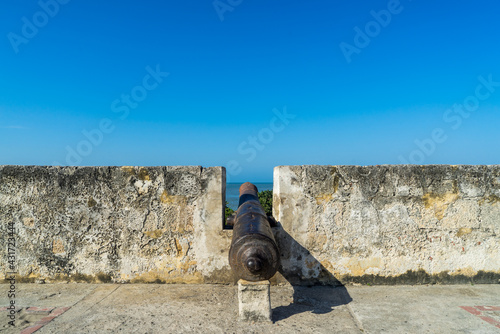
pixel 337 224
pixel 121 224
pixel 389 224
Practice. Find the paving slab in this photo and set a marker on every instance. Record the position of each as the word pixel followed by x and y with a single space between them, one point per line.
pixel 426 309
pixel 161 308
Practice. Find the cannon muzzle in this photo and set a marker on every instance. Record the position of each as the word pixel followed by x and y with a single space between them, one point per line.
pixel 254 255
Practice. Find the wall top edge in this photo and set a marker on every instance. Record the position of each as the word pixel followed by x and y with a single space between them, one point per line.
pixel 393 165
pixel 113 166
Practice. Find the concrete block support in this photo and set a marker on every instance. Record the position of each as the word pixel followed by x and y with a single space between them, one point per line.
pixel 254 300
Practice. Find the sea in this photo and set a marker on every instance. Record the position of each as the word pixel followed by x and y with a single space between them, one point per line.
pixel 233 192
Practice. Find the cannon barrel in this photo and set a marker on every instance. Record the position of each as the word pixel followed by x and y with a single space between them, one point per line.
pixel 254 255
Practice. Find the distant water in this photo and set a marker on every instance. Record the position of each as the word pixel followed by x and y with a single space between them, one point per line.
pixel 233 192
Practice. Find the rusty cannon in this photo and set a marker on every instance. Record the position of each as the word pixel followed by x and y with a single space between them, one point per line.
pixel 254 255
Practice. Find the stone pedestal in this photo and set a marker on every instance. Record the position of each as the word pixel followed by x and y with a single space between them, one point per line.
pixel 254 300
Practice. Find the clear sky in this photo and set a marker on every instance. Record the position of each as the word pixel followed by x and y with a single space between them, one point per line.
pixel 249 84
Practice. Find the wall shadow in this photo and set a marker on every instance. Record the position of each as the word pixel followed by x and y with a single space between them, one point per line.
pixel 315 289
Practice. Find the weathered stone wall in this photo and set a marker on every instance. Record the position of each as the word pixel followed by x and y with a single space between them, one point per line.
pixel 337 224
pixel 122 224
pixel 389 224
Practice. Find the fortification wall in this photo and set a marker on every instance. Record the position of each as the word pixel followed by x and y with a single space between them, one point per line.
pixel 390 224
pixel 122 224
pixel 337 224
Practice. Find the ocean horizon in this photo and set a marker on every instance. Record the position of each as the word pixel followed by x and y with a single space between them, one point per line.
pixel 233 192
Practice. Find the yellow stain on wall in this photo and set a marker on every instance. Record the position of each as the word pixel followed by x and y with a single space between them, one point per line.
pixel 468 271
pixel 323 198
pixel 439 202
pixel 335 183
pixel 327 265
pixel 464 231
pixel 143 174
pixel 491 199
pixel 154 234
pixel 178 246
pixel 165 197
pixel 57 246
pixel 91 202
pixel 129 169
pixel 358 267
pixel 29 221
pixel 172 199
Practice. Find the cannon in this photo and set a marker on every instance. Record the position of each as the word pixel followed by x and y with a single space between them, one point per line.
pixel 254 255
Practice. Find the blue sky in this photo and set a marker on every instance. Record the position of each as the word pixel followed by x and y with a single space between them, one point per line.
pixel 249 84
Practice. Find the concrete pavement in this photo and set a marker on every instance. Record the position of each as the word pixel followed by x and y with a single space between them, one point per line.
pixel 159 308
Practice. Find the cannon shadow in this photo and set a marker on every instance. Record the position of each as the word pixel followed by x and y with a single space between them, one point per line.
pixel 315 289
